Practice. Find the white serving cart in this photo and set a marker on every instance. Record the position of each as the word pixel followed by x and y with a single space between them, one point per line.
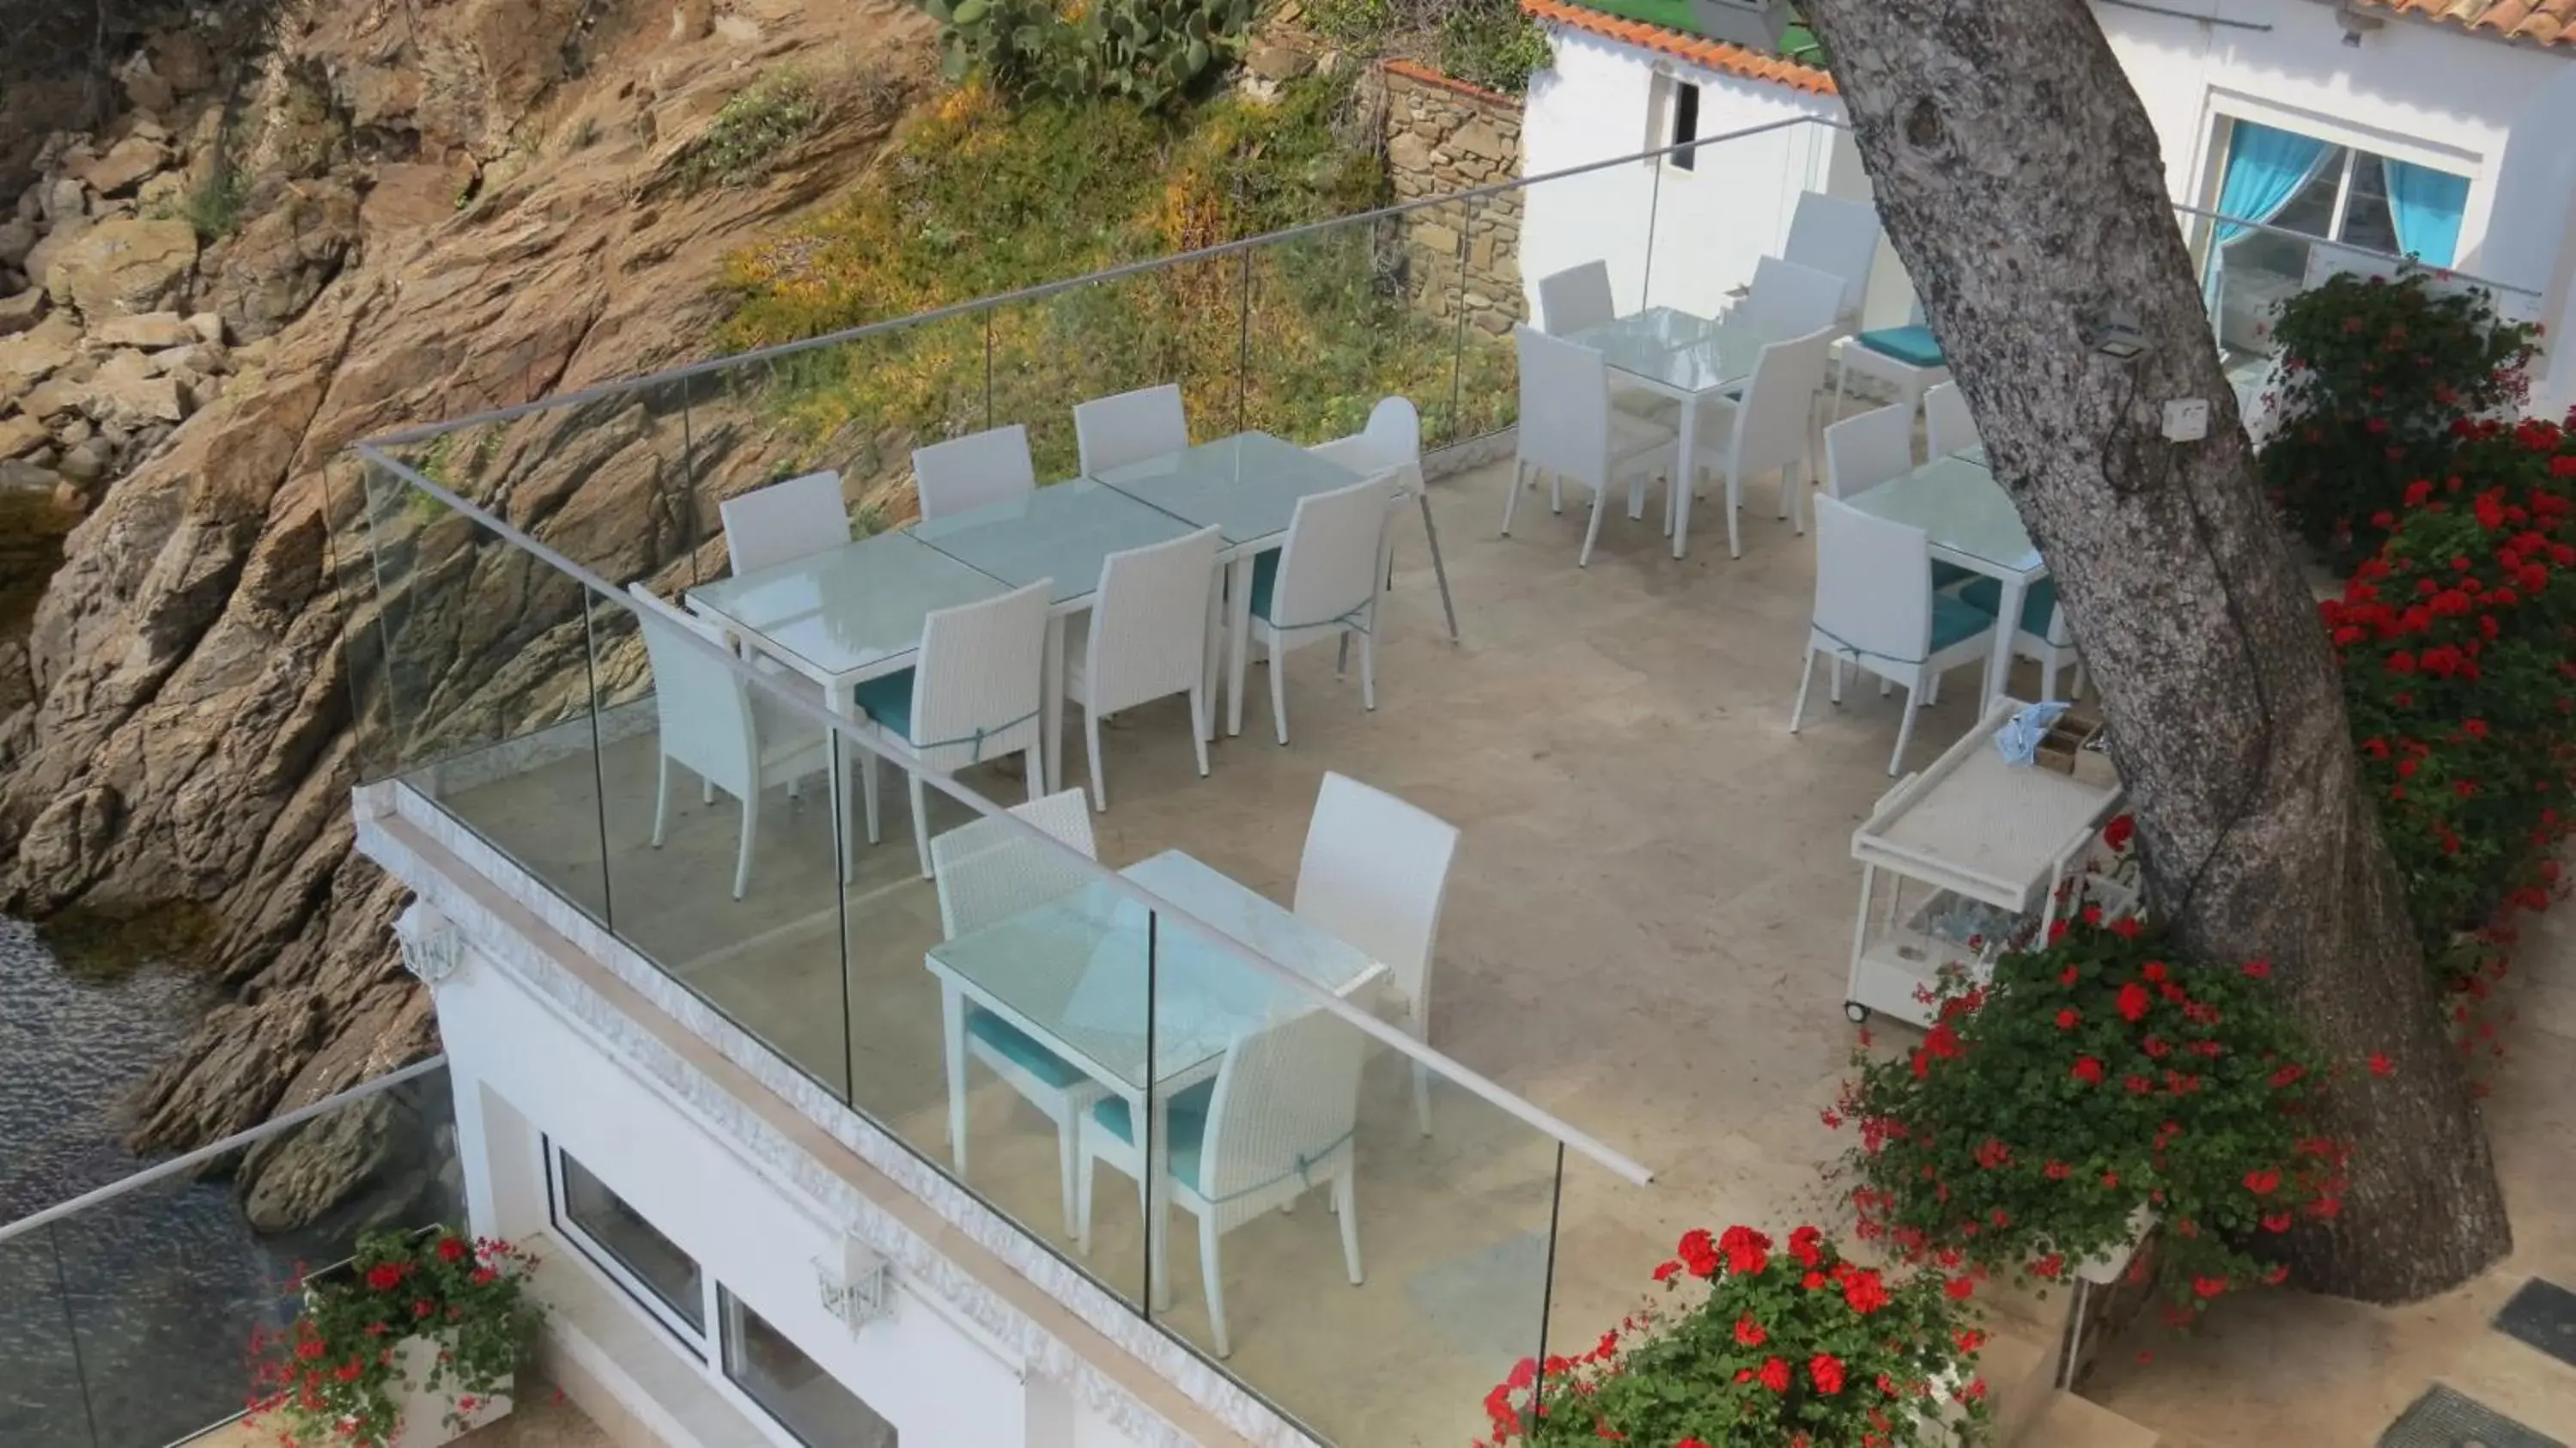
pixel 1985 847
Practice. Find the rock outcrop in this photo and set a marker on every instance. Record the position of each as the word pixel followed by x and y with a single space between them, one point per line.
pixel 455 219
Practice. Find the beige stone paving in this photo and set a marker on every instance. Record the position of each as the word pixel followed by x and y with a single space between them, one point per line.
pixel 1645 933
pixel 545 1420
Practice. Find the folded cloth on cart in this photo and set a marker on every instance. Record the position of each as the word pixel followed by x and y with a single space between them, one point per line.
pixel 2018 739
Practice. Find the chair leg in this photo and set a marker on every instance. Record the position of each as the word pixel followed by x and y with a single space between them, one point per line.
pixel 1932 692
pixel 2048 668
pixel 1346 1204
pixel 1082 1184
pixel 1904 731
pixel 1592 530
pixel 1215 1284
pixel 1342 656
pixel 661 801
pixel 1198 727
pixel 1368 663
pixel 921 821
pixel 750 827
pixel 2076 688
pixel 1512 498
pixel 1065 1129
pixel 1806 681
pixel 1734 505
pixel 1278 688
pixel 1035 771
pixel 1556 492
pixel 1422 1096
pixel 1091 757
pixel 868 787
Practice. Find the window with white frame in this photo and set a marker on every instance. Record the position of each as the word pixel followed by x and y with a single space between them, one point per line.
pixel 631 1250
pixel 1673 120
pixel 808 1402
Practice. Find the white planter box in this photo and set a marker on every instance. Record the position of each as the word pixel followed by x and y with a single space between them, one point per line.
pixel 424 1419
pixel 2104 1269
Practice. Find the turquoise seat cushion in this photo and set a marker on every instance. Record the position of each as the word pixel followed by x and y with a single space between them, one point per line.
pixel 1913 346
pixel 2038 603
pixel 1189 1114
pixel 888 700
pixel 1265 581
pixel 1021 1049
pixel 1945 575
pixel 1955 621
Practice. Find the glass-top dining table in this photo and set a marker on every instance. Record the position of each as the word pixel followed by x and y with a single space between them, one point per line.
pixel 1674 354
pixel 1962 508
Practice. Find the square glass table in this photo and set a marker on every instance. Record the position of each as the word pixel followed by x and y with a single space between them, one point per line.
pixel 1685 358
pixel 1062 532
pixel 844 614
pixel 1963 509
pixel 1246 486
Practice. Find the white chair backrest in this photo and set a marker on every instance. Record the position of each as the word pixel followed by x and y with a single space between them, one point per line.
pixel 1328 567
pixel 1576 298
pixel 1149 621
pixel 1838 236
pixel 1789 300
pixel 784 521
pixel 976 691
pixel 1565 407
pixel 1864 451
pixel 966 473
pixel 988 870
pixel 1771 423
pixel 1111 432
pixel 1287 1099
pixel 704 707
pixel 1373 876
pixel 1873 586
pixel 1391 443
pixel 1948 426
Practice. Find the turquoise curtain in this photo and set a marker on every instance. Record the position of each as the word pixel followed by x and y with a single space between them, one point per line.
pixel 2426 206
pixel 2265 168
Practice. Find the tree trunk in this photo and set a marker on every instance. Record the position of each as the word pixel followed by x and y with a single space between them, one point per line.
pixel 2022 185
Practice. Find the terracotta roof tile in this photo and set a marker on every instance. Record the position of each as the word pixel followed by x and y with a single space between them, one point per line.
pixel 1715 54
pixel 2539 22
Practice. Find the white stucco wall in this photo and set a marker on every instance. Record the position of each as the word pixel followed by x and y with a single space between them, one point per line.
pixel 520 1069
pixel 1671 237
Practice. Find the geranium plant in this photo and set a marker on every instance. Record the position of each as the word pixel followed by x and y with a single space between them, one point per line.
pixel 337 1375
pixel 2373 372
pixel 2088 1079
pixel 1752 1347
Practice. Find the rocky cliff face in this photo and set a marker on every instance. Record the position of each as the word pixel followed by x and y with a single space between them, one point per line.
pixel 443 206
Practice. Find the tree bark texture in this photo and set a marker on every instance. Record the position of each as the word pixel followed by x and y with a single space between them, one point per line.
pixel 2024 188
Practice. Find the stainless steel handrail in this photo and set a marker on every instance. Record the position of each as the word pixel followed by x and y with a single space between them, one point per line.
pixel 189 1161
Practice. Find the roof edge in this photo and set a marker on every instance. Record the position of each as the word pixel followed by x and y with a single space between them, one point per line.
pixel 1699 50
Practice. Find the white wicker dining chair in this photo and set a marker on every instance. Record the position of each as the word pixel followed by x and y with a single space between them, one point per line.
pixel 1837 236
pixel 1948 427
pixel 1373 876
pixel 1576 298
pixel 1789 300
pixel 1569 431
pixel 988 871
pixel 1111 432
pixel 966 473
pixel 1148 640
pixel 713 723
pixel 1875 609
pixel 1322 583
pixel 1867 449
pixel 1767 430
pixel 976 694
pixel 784 521
pixel 1278 1121
pixel 1391 444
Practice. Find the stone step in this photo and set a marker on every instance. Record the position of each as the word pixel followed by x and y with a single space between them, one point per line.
pixel 2021 1378
pixel 2068 1421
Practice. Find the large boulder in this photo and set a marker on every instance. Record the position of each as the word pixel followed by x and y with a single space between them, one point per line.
pixel 36 354
pixel 128 392
pixel 269 272
pixel 124 265
pixel 147 330
pixel 123 167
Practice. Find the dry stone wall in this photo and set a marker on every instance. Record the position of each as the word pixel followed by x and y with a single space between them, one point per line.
pixel 1444 137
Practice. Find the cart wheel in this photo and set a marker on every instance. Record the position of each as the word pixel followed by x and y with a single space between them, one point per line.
pixel 1856 1013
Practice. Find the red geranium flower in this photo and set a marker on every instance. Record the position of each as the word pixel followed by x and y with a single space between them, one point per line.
pixel 1774 1375
pixel 2088 1070
pixel 1827 1370
pixel 385 1276
pixel 1750 1333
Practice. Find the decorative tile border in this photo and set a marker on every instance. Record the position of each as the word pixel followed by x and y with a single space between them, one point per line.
pixel 388 814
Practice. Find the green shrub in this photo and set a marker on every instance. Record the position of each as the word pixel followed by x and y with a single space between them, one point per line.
pixel 747 138
pixel 1155 53
pixel 1488 43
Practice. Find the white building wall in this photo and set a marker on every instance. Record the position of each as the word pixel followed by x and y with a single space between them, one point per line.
pixel 519 1070
pixel 1671 237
